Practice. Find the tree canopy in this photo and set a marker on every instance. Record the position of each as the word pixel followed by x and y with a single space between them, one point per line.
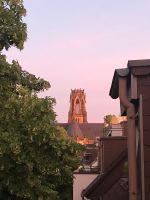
pixel 37 158
pixel 108 118
pixel 13 31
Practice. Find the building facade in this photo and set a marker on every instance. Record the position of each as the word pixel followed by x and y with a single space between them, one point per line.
pixel 77 109
pixel 132 86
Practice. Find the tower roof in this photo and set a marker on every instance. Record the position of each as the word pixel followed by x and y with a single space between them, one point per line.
pixel 88 130
pixel 74 130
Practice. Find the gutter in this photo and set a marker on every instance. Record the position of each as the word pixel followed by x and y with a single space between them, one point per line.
pixel 131 137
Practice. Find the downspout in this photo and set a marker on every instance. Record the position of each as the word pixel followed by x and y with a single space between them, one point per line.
pixel 131 131
pixel 101 157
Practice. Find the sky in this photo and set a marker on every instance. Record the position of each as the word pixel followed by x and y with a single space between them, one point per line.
pixel 79 43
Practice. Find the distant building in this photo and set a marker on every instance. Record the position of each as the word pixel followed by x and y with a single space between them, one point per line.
pixel 77 110
pixel 116 127
pixel 77 127
pixel 86 134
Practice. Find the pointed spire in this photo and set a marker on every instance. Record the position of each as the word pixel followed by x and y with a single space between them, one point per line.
pixel 75 131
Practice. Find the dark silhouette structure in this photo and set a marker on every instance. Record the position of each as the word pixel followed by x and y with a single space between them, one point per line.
pixel 132 86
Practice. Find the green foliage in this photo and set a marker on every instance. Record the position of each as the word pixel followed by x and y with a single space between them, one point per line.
pixel 12 29
pixel 108 118
pixel 37 158
pixel 107 123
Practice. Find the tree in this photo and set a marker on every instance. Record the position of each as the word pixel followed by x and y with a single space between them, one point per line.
pixel 107 123
pixel 12 28
pixel 107 119
pixel 37 158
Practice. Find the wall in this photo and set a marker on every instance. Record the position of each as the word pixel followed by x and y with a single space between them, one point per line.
pixel 117 130
pixel 111 147
pixel 144 89
pixel 81 181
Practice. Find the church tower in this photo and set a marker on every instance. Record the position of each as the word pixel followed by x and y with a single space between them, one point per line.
pixel 77 110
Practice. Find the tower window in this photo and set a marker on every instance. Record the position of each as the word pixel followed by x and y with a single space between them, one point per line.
pixel 77 107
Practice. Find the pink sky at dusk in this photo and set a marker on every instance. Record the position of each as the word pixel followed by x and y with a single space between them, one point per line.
pixel 78 44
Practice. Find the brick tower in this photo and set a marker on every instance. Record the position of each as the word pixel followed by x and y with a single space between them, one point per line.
pixel 77 110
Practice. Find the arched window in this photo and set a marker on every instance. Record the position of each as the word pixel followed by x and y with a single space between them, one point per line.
pixel 77 120
pixel 77 106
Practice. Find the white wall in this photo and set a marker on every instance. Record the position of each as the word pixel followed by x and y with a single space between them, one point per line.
pixel 116 130
pixel 81 181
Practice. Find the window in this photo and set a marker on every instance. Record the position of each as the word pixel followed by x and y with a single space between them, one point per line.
pixel 77 109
